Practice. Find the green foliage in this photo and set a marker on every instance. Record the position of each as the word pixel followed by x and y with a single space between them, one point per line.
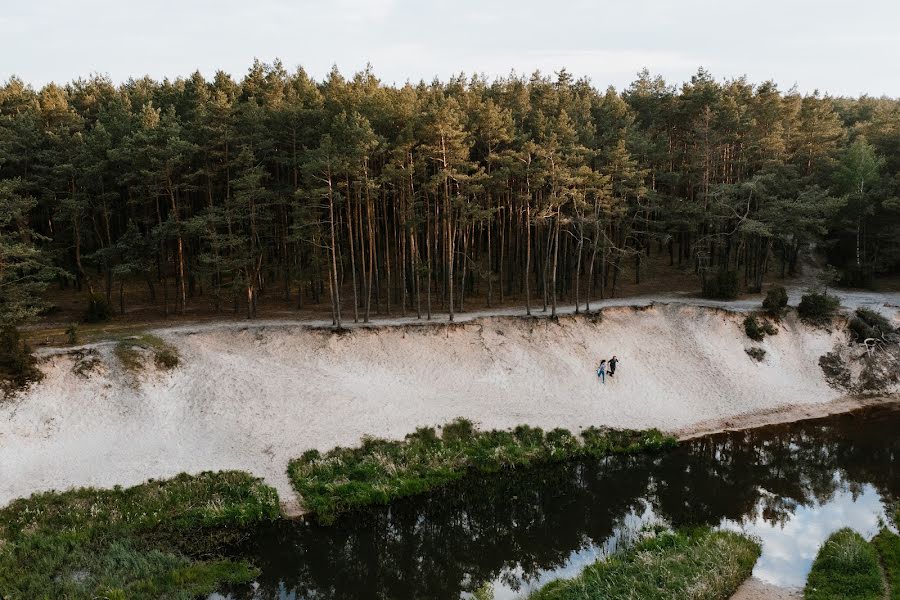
pixel 24 269
pixel 698 564
pixel 817 307
pixel 846 568
pixel 757 330
pixel 721 285
pixel 887 544
pixel 98 309
pixel 153 541
pixel 380 470
pixel 213 184
pixel 867 323
pixel 17 365
pixel 776 301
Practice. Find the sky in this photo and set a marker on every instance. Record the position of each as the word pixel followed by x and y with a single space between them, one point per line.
pixel 842 48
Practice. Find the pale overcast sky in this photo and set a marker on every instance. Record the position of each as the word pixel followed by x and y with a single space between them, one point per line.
pixel 843 48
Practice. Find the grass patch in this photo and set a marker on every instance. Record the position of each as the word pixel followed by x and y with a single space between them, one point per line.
pixel 887 544
pixel 846 568
pixel 380 470
pixel 129 352
pixel 161 539
pixel 698 564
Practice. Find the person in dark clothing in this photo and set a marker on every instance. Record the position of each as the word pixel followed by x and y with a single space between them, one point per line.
pixel 612 365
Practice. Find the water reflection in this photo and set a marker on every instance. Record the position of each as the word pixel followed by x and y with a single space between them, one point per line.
pixel 791 485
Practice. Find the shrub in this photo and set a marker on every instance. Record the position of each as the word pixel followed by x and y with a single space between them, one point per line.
pixel 698 564
pixel 846 568
pixel 757 354
pixel 98 309
pixel 757 330
pixel 72 334
pixel 721 285
pixel 817 307
pixel 867 323
pixel 17 364
pixel 776 301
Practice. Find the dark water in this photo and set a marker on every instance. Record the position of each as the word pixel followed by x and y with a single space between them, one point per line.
pixel 790 485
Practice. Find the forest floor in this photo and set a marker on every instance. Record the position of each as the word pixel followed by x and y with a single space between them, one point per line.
pixel 659 282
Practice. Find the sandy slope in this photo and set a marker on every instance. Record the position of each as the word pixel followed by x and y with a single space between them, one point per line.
pixel 251 398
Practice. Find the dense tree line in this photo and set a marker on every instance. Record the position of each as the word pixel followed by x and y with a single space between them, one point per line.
pixel 413 199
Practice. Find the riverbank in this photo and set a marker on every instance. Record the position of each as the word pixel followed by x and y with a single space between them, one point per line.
pixel 253 397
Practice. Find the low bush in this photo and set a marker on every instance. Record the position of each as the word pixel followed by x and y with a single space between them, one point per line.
pixel 156 540
pixel 817 307
pixel 721 285
pixel 380 470
pixel 698 564
pixel 98 309
pixel 775 301
pixel 846 568
pixel 867 323
pixel 757 354
pixel 756 330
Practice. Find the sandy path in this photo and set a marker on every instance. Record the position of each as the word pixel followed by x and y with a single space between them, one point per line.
pixel 253 397
pixel 755 589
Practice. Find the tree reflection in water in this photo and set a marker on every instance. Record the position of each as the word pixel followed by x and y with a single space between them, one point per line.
pixel 516 526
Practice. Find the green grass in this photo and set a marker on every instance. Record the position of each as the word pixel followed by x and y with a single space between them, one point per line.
pixel 887 544
pixel 379 470
pixel 128 351
pixel 846 568
pixel 698 564
pixel 158 540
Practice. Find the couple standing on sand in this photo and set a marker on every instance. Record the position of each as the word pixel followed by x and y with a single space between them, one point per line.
pixel 601 370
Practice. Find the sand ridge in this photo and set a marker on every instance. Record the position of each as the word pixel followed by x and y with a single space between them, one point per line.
pixel 252 398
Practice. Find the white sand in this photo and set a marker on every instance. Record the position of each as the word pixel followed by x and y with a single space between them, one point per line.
pixel 253 397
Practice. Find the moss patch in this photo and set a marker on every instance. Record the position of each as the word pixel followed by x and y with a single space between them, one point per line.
pixel 129 351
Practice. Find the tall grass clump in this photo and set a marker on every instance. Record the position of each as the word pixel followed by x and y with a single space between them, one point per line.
pixel 158 540
pixel 379 471
pixel 846 568
pixel 695 564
